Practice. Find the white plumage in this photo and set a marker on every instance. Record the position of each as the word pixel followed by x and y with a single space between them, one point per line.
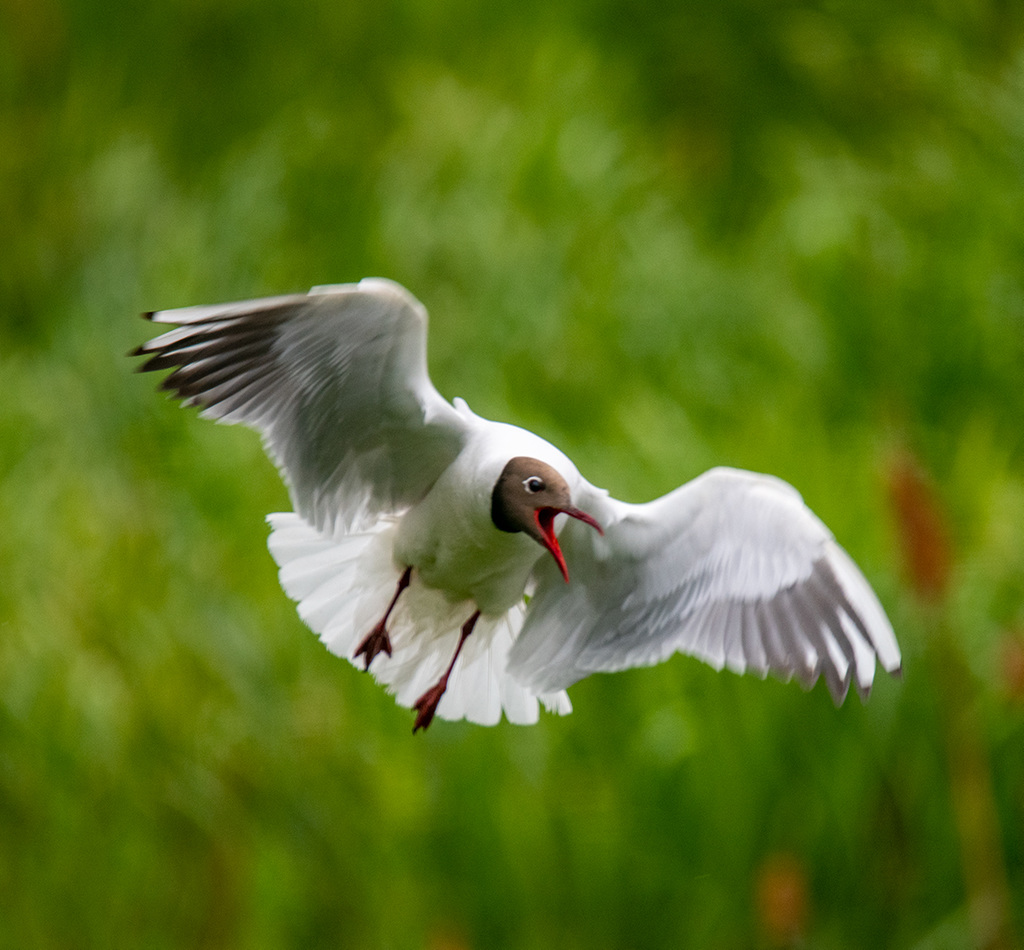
pixel 342 586
pixel 386 476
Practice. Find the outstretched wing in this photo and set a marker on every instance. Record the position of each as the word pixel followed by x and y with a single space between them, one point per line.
pixel 732 568
pixel 335 380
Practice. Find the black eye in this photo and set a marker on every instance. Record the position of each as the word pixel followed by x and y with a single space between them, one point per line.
pixel 534 484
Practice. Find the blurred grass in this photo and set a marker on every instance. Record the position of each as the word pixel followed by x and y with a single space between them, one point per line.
pixel 786 238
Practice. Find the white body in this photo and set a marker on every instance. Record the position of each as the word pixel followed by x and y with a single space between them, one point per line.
pixel 461 563
pixel 385 474
pixel 449 537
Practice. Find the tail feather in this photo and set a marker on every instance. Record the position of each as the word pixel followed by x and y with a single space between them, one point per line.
pixel 343 584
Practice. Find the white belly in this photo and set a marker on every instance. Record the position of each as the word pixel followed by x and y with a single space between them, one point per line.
pixel 463 555
pixel 449 538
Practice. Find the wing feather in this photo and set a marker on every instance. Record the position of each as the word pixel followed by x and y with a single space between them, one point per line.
pixel 752 655
pixel 732 568
pixel 335 380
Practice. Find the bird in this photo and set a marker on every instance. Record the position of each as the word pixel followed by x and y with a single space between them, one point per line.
pixel 466 563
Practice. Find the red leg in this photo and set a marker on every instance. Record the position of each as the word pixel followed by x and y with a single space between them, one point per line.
pixel 377 640
pixel 426 705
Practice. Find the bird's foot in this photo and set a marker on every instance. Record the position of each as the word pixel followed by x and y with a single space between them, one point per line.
pixel 426 705
pixel 376 641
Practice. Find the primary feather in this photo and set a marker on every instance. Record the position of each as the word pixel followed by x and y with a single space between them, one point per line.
pixel 335 380
pixel 732 568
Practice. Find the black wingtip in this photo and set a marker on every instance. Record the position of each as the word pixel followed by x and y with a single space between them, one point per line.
pixel 169 385
pixel 838 688
pixel 151 364
pixel 141 350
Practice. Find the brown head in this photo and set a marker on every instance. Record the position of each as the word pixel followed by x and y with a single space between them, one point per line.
pixel 527 497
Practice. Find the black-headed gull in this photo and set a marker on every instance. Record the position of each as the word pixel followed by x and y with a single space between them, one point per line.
pixel 421 533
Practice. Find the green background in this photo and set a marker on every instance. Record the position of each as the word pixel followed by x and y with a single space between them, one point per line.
pixel 783 236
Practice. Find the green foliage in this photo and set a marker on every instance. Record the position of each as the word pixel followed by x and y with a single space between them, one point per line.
pixel 785 237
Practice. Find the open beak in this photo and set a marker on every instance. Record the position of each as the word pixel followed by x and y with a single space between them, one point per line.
pixel 546 522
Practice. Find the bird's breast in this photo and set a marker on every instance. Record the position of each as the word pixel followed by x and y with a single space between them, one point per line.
pixel 466 559
pixel 453 545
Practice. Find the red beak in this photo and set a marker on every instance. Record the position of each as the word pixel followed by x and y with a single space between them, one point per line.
pixel 546 522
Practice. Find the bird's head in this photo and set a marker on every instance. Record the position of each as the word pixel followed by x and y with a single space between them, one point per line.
pixel 527 497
